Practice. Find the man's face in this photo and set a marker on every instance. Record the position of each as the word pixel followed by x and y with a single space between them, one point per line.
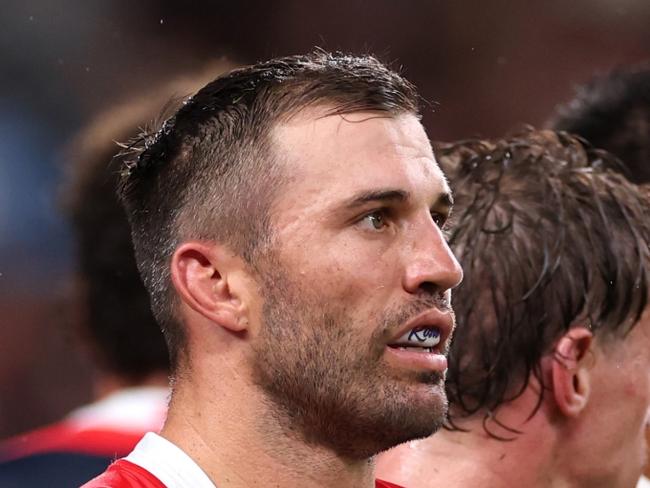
pixel 356 287
pixel 614 428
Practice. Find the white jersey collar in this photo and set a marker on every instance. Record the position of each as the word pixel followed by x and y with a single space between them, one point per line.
pixel 168 463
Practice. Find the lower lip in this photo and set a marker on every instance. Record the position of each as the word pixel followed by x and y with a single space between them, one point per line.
pixel 417 360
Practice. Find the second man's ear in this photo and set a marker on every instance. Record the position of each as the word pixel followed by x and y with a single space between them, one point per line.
pixel 571 371
pixel 203 275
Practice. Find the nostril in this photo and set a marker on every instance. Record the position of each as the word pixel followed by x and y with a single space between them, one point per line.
pixel 429 288
pixel 431 293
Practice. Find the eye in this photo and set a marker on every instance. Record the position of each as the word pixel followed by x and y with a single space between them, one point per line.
pixel 375 220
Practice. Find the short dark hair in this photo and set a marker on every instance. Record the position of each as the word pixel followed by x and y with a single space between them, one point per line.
pixel 211 171
pixel 550 238
pixel 115 317
pixel 612 112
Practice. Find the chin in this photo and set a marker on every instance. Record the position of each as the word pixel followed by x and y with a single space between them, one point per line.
pixel 400 413
pixel 425 413
pixel 427 390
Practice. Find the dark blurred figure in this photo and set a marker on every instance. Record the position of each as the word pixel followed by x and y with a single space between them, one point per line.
pixel 612 112
pixel 548 379
pixel 111 309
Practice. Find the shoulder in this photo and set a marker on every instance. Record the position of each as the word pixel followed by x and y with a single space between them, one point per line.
pixel 385 484
pixel 65 436
pixel 125 474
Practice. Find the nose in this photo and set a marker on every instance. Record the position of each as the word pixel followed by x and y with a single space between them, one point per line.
pixel 430 264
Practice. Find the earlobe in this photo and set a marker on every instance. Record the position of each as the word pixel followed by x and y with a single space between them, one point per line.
pixel 200 273
pixel 571 371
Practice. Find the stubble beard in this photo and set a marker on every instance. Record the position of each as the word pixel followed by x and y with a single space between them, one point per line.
pixel 330 386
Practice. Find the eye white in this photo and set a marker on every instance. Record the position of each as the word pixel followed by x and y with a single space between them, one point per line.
pixel 375 220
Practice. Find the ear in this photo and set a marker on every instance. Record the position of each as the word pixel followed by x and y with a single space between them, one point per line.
pixel 571 371
pixel 201 273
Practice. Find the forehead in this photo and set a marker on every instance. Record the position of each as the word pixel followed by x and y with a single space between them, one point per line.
pixel 329 157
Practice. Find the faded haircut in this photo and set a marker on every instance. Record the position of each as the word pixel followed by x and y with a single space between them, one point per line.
pixel 549 237
pixel 612 112
pixel 211 171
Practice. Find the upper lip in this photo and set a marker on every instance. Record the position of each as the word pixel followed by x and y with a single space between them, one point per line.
pixel 433 317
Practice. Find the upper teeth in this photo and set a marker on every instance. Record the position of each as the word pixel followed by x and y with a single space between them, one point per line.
pixel 421 337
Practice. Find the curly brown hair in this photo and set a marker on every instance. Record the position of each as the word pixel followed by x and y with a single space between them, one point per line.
pixel 550 236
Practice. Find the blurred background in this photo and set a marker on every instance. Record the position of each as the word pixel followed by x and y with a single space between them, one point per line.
pixel 485 66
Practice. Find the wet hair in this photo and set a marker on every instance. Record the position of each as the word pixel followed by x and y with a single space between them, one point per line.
pixel 612 112
pixel 550 237
pixel 113 315
pixel 211 172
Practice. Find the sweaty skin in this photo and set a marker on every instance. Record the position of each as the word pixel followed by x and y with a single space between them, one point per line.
pixel 358 257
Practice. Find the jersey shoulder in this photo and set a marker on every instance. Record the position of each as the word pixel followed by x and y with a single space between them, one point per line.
pixel 386 484
pixel 125 474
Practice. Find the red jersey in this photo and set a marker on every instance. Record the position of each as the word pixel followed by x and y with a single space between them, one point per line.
pixel 124 474
pixel 110 427
pixel 386 484
pixel 85 443
pixel 158 463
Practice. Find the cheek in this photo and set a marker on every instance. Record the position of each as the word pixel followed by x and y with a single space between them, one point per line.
pixel 637 380
pixel 347 269
pixel 636 392
pixel 356 278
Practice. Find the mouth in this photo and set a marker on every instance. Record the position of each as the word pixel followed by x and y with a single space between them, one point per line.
pixel 422 343
pixel 419 339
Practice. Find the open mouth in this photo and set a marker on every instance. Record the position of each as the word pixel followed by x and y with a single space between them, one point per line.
pixel 419 339
pixel 421 344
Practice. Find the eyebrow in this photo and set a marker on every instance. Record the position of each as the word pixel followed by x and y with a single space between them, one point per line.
pixel 386 195
pixel 393 195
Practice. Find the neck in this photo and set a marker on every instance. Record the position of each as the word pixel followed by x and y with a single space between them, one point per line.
pixel 467 459
pixel 474 458
pixel 233 432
